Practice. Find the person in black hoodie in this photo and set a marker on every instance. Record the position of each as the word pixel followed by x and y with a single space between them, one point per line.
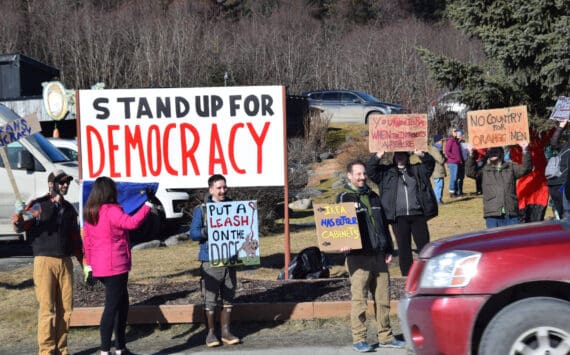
pixel 407 198
pixel 368 267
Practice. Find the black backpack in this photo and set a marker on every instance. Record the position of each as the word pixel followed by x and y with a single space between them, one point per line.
pixel 310 263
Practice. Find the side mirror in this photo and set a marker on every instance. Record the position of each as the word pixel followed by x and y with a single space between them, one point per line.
pixel 25 160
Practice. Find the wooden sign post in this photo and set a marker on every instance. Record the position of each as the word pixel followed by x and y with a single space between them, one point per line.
pixel 337 226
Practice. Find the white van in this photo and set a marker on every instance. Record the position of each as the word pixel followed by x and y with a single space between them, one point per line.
pixel 31 159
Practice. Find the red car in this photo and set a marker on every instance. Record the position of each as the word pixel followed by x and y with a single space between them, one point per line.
pixel 499 291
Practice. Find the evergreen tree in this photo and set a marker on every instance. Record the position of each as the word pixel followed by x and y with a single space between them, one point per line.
pixel 527 44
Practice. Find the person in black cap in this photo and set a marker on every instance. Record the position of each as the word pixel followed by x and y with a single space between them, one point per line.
pixel 499 180
pixel 52 228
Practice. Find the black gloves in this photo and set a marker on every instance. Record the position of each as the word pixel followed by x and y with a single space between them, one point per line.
pixel 151 197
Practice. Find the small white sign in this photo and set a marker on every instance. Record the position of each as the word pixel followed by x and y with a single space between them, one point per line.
pixel 561 110
pixel 19 128
pixel 233 237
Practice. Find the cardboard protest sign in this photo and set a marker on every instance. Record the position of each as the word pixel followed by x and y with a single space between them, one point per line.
pixel 19 128
pixel 233 237
pixel 561 110
pixel 397 133
pixel 337 226
pixel 184 135
pixel 498 127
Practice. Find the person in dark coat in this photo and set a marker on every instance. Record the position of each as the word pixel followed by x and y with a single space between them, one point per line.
pixel 407 198
pixel 499 181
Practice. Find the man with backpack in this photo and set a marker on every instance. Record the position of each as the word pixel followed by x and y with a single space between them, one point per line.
pixel 368 267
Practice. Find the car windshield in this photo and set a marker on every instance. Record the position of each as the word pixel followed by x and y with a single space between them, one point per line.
pixel 368 97
pixel 48 149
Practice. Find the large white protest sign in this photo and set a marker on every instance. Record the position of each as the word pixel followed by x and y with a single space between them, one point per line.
pixel 181 136
pixel 233 237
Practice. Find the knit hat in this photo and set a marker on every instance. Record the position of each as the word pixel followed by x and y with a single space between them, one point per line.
pixel 437 138
pixel 459 131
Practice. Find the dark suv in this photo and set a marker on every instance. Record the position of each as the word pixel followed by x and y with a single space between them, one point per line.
pixel 350 106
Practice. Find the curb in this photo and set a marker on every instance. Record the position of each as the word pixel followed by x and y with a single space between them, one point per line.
pixel 165 314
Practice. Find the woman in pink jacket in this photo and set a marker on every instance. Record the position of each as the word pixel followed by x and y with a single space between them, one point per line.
pixel 106 243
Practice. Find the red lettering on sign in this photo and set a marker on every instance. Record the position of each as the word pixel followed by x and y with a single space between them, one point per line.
pixel 90 132
pixel 216 147
pixel 259 142
pixel 133 141
pixel 188 154
pixel 232 148
pixel 112 149
pixel 153 143
pixel 169 167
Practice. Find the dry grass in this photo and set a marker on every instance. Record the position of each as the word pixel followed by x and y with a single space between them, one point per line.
pixel 179 262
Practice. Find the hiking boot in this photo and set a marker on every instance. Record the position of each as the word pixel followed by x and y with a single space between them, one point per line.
pixel 362 347
pixel 394 343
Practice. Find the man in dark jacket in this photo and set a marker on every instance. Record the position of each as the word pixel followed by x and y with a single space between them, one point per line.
pixel 499 183
pixel 407 198
pixel 51 224
pixel 219 283
pixel 368 267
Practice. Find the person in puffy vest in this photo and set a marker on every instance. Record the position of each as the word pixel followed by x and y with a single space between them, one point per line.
pixel 51 225
pixel 368 267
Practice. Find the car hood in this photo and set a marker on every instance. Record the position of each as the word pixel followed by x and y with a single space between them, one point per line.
pixel 502 238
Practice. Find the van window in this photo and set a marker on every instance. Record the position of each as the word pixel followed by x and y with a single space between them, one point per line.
pixel 13 151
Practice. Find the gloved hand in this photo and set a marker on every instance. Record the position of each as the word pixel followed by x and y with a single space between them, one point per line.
pixel 88 275
pixel 151 197
pixel 19 206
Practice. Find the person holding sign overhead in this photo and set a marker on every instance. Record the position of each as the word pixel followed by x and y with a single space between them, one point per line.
pixel 368 267
pixel 499 181
pixel 218 283
pixel 408 199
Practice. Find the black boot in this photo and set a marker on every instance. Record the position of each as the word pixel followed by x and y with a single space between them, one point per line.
pixel 227 336
pixel 211 339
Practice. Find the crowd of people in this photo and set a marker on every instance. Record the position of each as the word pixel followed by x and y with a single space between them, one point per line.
pixel 406 200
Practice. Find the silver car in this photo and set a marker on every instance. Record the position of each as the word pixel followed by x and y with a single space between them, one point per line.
pixel 350 106
pixel 449 107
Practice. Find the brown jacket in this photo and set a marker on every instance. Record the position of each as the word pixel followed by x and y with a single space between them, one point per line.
pixel 439 170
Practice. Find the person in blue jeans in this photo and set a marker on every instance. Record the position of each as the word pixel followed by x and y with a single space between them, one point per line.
pixel 499 180
pixel 455 163
pixel 439 174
